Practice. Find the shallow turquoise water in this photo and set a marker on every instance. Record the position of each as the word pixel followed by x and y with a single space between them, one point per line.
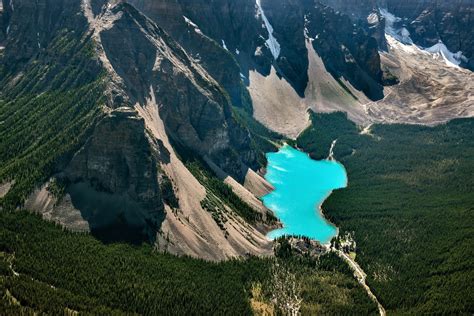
pixel 301 186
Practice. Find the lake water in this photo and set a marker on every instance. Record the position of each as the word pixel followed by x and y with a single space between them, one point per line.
pixel 301 186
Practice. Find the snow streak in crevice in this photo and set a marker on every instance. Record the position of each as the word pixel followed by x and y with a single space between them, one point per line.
pixel 271 42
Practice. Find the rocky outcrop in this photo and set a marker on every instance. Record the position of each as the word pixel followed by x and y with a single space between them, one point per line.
pixel 432 21
pixel 44 18
pixel 3 25
pixel 241 29
pixel 427 21
pixel 113 180
pixel 216 34
pixel 288 19
pixel 197 114
pixel 347 50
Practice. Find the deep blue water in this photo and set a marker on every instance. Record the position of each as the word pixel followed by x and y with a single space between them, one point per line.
pixel 301 186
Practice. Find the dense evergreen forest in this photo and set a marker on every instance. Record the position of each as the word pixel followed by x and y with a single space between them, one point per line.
pixel 410 204
pixel 45 269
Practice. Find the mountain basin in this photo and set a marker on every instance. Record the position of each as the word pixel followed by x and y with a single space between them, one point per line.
pixel 301 186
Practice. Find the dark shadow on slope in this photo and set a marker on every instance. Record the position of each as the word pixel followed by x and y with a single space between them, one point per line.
pixel 115 217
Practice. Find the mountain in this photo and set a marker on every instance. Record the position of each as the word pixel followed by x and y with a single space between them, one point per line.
pixel 139 131
pixel 428 22
pixel 328 53
pixel 123 170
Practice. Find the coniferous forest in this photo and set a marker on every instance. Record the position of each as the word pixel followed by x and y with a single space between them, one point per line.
pixel 410 206
pixel 45 269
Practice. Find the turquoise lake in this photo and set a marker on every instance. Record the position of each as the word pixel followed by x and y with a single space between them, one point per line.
pixel 301 186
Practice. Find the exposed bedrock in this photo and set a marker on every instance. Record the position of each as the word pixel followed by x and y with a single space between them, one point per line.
pixel 196 112
pixel 222 36
pixel 29 26
pixel 288 20
pixel 428 21
pixel 239 26
pixel 113 180
pixel 347 50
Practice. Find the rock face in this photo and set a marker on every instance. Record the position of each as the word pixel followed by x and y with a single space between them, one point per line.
pixel 428 21
pixel 241 27
pixel 432 21
pixel 3 24
pixel 347 50
pixel 113 180
pixel 178 21
pixel 124 179
pixel 197 114
pixel 31 25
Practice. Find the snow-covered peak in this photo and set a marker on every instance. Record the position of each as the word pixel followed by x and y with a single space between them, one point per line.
pixel 271 42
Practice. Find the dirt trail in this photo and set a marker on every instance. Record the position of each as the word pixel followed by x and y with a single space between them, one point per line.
pixel 361 277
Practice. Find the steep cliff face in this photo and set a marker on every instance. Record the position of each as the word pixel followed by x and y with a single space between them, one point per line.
pixel 288 19
pixel 221 36
pixel 262 34
pixel 347 50
pixel 432 21
pixel 113 180
pixel 31 25
pixel 427 21
pixel 3 25
pixel 196 112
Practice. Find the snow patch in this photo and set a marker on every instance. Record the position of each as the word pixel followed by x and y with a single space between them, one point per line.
pixel 395 43
pixel 373 18
pixel 306 31
pixel 401 34
pixel 440 51
pixel 271 42
pixel 192 24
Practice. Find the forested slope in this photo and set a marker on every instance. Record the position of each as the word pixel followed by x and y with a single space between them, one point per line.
pixel 45 269
pixel 48 105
